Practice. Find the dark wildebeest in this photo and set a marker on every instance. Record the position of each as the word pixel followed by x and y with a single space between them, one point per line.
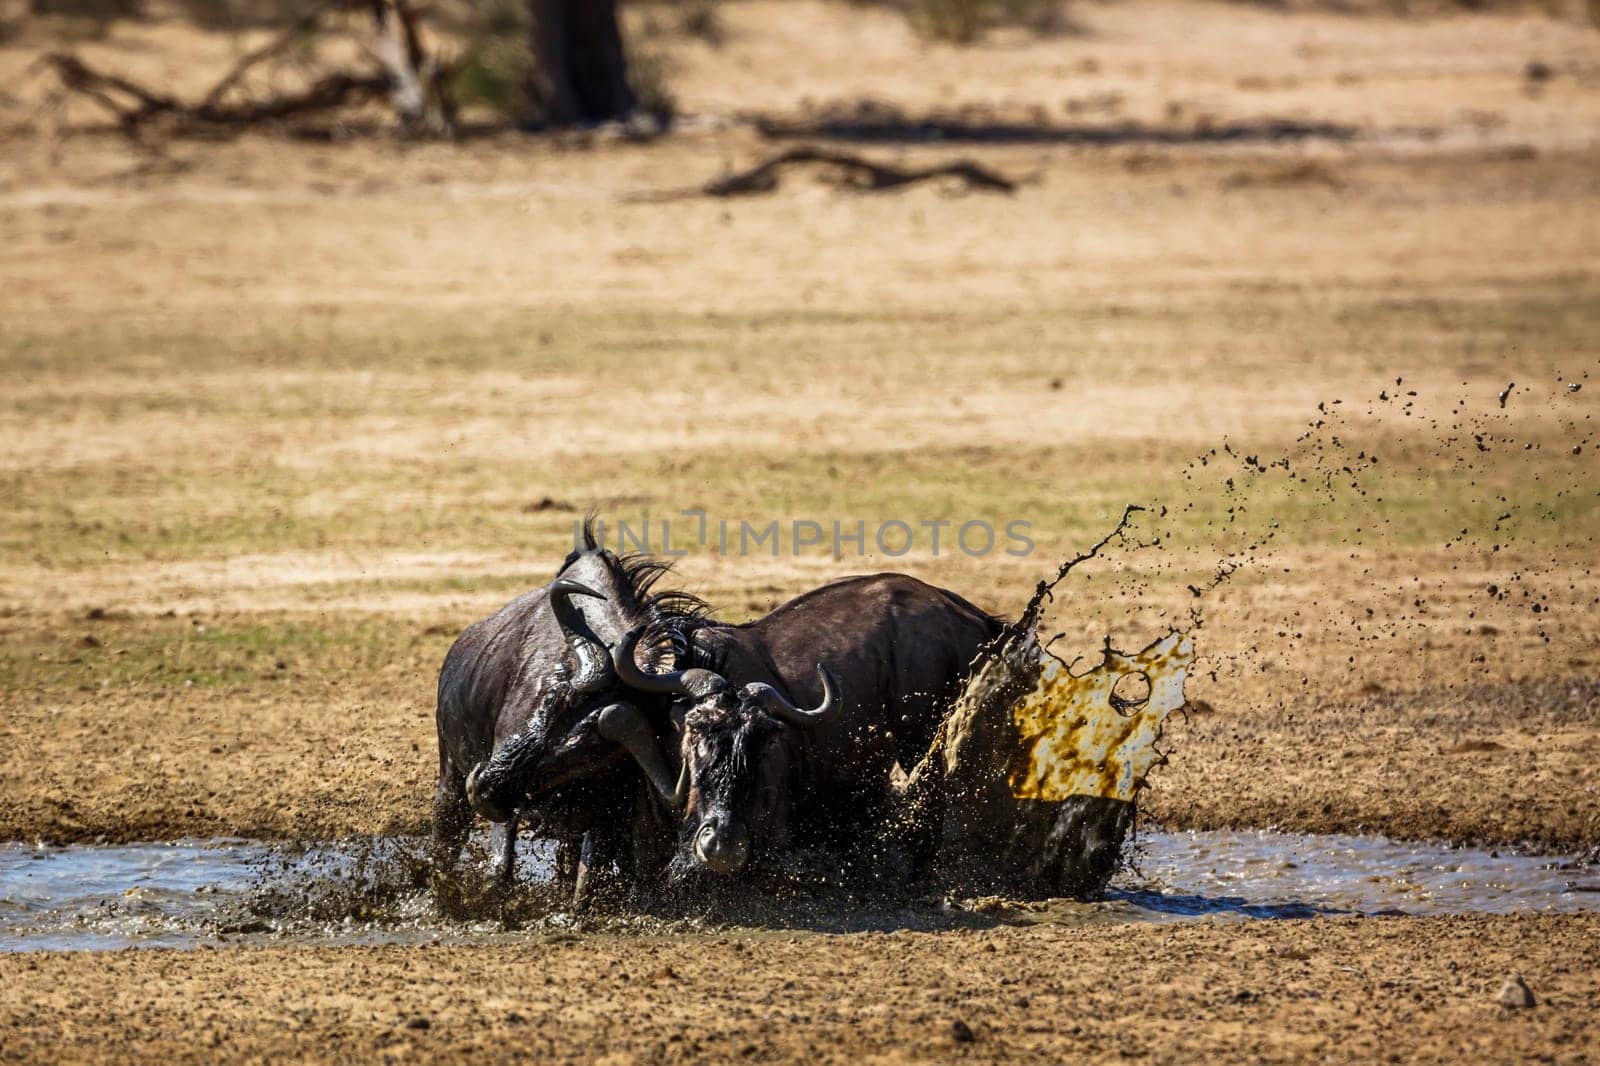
pixel 532 722
pixel 834 687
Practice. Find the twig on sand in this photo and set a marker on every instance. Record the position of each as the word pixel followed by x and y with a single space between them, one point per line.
pixel 862 173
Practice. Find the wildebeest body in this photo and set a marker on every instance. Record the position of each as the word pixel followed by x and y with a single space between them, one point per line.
pixel 764 774
pixel 515 702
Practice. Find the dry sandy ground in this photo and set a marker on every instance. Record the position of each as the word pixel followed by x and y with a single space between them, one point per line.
pixel 280 418
pixel 1375 990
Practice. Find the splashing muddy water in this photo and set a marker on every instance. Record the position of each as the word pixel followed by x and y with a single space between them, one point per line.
pixel 191 893
pixel 1095 733
pixel 1031 784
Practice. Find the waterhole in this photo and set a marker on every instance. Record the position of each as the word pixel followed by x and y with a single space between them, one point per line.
pixel 210 892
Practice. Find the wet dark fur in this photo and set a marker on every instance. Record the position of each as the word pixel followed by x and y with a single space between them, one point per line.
pixel 898 650
pixel 505 698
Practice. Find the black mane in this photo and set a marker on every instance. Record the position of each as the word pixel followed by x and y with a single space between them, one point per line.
pixel 671 617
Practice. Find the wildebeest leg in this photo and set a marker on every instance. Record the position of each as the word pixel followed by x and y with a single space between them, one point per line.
pixel 651 843
pixel 925 832
pixel 503 852
pixel 567 855
pixel 452 819
pixel 601 850
pixel 917 823
pixel 583 883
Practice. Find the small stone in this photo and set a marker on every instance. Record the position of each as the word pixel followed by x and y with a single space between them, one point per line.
pixel 961 1032
pixel 1515 994
pixel 419 1023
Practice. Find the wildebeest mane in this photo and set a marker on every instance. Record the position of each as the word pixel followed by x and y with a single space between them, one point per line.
pixel 670 617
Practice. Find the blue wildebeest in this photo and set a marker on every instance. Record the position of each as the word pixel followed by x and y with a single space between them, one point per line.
pixel 533 724
pixel 792 723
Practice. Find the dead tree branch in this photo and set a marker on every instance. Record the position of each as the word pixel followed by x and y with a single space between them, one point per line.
pixel 415 81
pixel 132 105
pixel 859 172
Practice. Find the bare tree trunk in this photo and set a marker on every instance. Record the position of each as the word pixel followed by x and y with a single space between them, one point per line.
pixel 419 94
pixel 580 71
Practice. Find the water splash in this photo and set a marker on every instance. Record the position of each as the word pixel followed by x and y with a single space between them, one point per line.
pixel 1084 735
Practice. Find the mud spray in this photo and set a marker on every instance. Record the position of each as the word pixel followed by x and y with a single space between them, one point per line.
pixel 1035 778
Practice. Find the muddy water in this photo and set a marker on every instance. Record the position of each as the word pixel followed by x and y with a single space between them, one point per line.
pixel 191 893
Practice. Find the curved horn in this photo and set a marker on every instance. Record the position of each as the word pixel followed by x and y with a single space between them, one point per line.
pixel 593 671
pixel 693 682
pixel 623 724
pixel 774 703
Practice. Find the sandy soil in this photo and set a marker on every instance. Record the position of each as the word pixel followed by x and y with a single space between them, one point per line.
pixel 281 417
pixel 1349 991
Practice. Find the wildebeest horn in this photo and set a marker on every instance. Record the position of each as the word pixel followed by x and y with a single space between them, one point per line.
pixel 693 682
pixel 623 724
pixel 594 665
pixel 774 703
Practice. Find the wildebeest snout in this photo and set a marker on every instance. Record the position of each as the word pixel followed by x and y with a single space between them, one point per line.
pixel 722 847
pixel 481 801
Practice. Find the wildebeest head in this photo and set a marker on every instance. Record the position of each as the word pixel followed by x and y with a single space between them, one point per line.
pixel 739 749
pixel 551 755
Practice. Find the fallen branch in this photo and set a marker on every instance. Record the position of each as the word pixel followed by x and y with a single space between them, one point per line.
pixel 860 172
pixel 132 104
pixel 138 104
pixel 326 93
